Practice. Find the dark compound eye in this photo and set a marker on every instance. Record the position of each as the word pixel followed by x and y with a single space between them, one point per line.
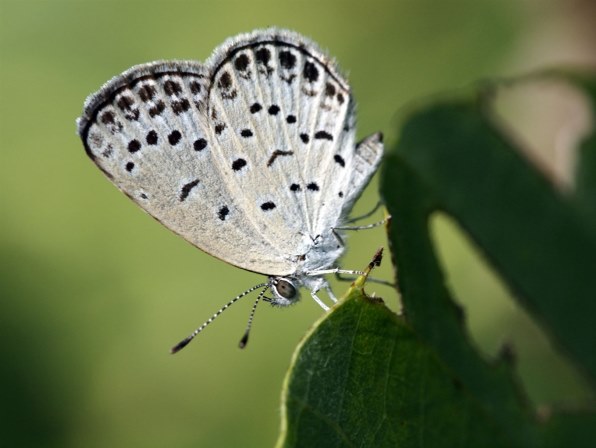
pixel 285 289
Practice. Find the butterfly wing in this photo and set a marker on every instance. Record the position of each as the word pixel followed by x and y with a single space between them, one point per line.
pixel 367 158
pixel 282 107
pixel 146 130
pixel 248 157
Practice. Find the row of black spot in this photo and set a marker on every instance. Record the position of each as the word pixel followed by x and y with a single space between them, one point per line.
pixel 273 110
pixel 240 163
pixel 311 187
pixel 286 59
pixel 147 92
pixel 265 206
pixel 319 135
pixel 224 211
pixel 152 139
pixel 174 138
pixel 200 144
pixel 290 119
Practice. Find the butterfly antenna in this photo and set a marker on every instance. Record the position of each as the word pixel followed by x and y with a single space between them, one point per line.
pixel 244 339
pixel 183 343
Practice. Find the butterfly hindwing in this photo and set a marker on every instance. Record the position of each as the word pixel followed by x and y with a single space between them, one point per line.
pixel 284 107
pixel 147 131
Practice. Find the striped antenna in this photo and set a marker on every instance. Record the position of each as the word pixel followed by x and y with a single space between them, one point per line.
pixel 244 339
pixel 183 343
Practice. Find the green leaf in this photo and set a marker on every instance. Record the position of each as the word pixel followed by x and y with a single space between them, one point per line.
pixel 532 235
pixel 362 378
pixel 429 309
pixel 453 159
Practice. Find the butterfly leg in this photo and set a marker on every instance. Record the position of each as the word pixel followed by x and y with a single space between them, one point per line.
pixel 318 300
pixel 342 278
pixel 330 293
pixel 314 284
pixel 368 226
pixel 337 237
pixel 366 215
pixel 333 271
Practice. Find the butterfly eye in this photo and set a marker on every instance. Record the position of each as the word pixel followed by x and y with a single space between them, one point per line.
pixel 285 289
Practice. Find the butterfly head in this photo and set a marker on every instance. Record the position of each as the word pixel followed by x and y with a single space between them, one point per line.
pixel 285 291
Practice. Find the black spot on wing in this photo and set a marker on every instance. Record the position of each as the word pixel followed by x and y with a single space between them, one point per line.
pixel 329 89
pixel 266 206
pixel 125 103
pixel 186 189
pixel 200 144
pixel 172 87
pixel 157 109
pixel 238 164
pixel 180 106
pixel 287 59
pixel 277 153
pixel 323 135
pixel 339 160
pixel 241 62
pixel 263 56
pixel 134 145
pixel 225 85
pixel 147 92
pixel 223 212
pixel 310 72
pixel 195 87
pixel 107 117
pixel 225 81
pixel 174 137
pixel 151 138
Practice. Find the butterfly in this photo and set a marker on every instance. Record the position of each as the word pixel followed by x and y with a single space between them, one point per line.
pixel 251 156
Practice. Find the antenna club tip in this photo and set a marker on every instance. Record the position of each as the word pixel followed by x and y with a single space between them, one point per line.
pixel 243 341
pixel 179 346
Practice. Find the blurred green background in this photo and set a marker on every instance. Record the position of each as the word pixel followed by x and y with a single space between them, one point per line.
pixel 93 292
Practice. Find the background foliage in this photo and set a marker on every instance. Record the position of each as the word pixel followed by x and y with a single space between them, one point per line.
pixel 93 292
